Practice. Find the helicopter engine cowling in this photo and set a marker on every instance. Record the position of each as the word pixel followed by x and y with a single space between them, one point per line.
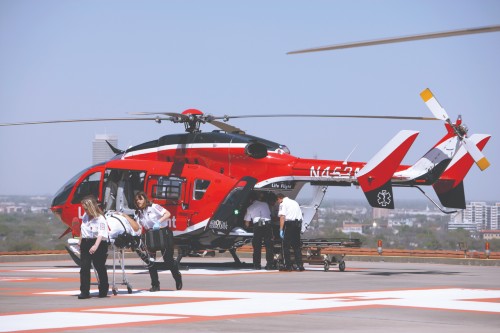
pixel 256 150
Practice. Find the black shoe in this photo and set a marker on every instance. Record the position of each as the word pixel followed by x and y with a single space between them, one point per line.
pixel 83 296
pixel 103 295
pixel 257 267
pixel 178 280
pixel 270 267
pixel 301 268
pixel 154 288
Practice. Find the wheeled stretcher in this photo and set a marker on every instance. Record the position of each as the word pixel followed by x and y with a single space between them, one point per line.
pixel 312 252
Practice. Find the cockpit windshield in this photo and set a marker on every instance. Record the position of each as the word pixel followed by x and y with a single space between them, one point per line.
pixel 62 194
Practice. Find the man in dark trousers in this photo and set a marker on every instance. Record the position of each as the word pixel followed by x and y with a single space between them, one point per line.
pixel 290 216
pixel 260 215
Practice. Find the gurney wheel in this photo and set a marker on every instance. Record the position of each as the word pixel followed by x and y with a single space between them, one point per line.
pixel 115 292
pixel 327 265
pixel 342 266
pixel 129 289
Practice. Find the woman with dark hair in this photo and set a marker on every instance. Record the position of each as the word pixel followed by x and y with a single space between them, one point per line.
pixel 153 216
pixel 93 247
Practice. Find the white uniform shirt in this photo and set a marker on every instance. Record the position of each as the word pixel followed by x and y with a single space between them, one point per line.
pixel 290 209
pixel 94 228
pixel 258 210
pixel 149 215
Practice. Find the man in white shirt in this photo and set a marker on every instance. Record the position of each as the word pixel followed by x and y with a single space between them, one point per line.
pixel 290 216
pixel 260 215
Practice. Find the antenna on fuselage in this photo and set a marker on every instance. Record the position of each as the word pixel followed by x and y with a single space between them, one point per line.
pixel 347 158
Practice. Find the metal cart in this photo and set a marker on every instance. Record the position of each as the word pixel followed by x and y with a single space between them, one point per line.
pixel 312 252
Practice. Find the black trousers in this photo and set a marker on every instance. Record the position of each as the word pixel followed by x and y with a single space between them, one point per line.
pixel 262 233
pixel 292 239
pixel 99 260
pixel 168 259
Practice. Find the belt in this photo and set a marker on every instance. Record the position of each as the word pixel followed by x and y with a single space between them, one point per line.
pixel 262 222
pixel 296 223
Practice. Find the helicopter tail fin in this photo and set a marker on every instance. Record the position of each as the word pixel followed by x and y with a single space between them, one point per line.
pixel 449 187
pixel 375 177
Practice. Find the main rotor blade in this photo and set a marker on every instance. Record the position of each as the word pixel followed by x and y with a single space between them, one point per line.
pixel 226 127
pixel 437 110
pixel 174 117
pixel 76 121
pixel 226 117
pixel 451 33
pixel 476 154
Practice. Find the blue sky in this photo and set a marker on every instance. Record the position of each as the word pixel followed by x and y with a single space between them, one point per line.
pixel 85 59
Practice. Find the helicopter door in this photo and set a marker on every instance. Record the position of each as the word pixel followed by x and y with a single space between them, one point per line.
pixel 167 191
pixel 120 187
pixel 227 215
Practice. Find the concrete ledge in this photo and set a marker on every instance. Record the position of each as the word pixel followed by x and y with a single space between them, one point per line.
pixel 434 260
pixel 246 254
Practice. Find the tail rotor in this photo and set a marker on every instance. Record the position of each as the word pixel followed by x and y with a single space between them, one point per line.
pixel 460 130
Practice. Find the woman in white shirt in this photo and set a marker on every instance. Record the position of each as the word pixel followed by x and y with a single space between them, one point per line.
pixel 151 215
pixel 93 247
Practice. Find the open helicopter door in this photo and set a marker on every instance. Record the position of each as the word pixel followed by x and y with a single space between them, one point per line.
pixel 227 215
pixel 309 211
pixel 169 192
pixel 120 187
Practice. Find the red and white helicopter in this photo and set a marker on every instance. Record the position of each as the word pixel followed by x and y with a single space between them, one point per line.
pixel 204 178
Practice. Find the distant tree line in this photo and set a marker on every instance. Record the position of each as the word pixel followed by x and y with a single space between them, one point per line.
pixel 425 234
pixel 41 231
pixel 30 232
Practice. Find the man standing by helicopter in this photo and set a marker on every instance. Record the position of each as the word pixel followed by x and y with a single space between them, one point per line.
pixel 260 214
pixel 290 216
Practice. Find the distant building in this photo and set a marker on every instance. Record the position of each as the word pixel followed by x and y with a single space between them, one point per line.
pixel 380 213
pixel 350 227
pixel 477 216
pixel 472 227
pixel 392 223
pixel 495 216
pixel 100 149
pixel 490 234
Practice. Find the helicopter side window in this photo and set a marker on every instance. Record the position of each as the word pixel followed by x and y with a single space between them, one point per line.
pixel 89 185
pixel 167 188
pixel 200 187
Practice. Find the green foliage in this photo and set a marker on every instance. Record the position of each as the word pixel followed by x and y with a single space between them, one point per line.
pixel 427 233
pixel 30 231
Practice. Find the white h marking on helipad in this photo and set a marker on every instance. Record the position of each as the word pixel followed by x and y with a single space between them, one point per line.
pixel 227 303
